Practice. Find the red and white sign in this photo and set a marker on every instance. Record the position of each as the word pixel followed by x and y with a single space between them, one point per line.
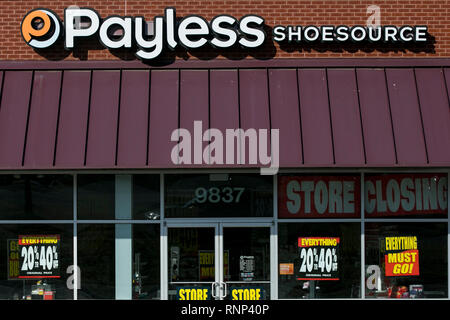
pixel 319 258
pixel 319 196
pixel 405 194
pixel 39 256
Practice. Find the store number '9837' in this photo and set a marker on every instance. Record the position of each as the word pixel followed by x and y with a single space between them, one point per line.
pixel 217 195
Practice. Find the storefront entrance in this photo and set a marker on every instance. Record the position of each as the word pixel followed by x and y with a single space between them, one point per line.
pixel 218 260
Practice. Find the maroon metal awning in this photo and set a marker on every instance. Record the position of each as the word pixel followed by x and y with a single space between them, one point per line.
pixel 330 112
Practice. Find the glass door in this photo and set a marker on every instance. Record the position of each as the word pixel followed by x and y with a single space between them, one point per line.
pixel 192 261
pixel 246 262
pixel 218 261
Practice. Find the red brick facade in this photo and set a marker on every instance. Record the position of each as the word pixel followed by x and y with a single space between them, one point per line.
pixel 433 13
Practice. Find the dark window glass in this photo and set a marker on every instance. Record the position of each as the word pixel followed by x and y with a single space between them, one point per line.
pixel 146 204
pixel 96 259
pixel 406 195
pixel 406 260
pixel 26 273
pixel 191 260
pixel 96 194
pixel 249 246
pixel 218 195
pixel 310 272
pixel 247 263
pixel 36 197
pixel 146 262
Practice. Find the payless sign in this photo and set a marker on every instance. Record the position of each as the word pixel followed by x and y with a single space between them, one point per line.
pixel 194 31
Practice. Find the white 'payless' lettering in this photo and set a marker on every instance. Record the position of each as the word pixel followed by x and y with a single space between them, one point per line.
pixel 192 31
pixel 125 24
pixel 218 27
pixel 149 49
pixel 71 32
pixel 246 30
pixel 193 26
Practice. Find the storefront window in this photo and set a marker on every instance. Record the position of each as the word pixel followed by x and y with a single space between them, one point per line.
pixel 119 261
pixel 96 260
pixel 96 194
pixel 406 260
pixel 247 267
pixel 36 261
pixel 319 260
pixel 146 261
pixel 218 195
pixel 419 195
pixel 325 196
pixel 146 201
pixel 188 250
pixel 36 197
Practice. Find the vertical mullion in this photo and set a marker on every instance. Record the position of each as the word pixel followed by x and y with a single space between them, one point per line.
pixel 75 239
pixel 219 258
pixel 363 253
pixel 123 237
pixel 274 244
pixel 161 197
pixel 448 235
pixel 164 263
pixel 163 243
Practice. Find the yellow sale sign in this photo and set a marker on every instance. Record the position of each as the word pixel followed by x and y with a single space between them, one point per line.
pixel 402 256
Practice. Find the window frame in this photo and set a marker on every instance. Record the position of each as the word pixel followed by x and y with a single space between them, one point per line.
pixel 274 219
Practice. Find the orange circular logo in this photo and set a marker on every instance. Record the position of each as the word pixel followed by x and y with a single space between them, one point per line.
pixel 44 33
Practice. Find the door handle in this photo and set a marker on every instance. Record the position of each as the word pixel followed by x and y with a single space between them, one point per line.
pixel 223 288
pixel 213 290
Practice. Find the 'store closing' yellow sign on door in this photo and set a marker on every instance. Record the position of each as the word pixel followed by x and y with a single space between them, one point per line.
pixel 204 293
pixel 193 293
pixel 246 293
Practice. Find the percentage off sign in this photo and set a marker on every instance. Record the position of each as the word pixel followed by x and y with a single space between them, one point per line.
pixel 36 254
pixel 334 255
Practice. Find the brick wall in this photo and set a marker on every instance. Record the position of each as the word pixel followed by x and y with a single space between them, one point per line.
pixel 433 13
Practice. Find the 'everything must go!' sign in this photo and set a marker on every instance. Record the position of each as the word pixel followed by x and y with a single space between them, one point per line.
pixel 401 257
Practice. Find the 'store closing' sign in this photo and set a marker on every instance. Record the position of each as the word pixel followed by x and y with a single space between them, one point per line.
pixel 319 196
pixel 405 194
pixel 385 195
